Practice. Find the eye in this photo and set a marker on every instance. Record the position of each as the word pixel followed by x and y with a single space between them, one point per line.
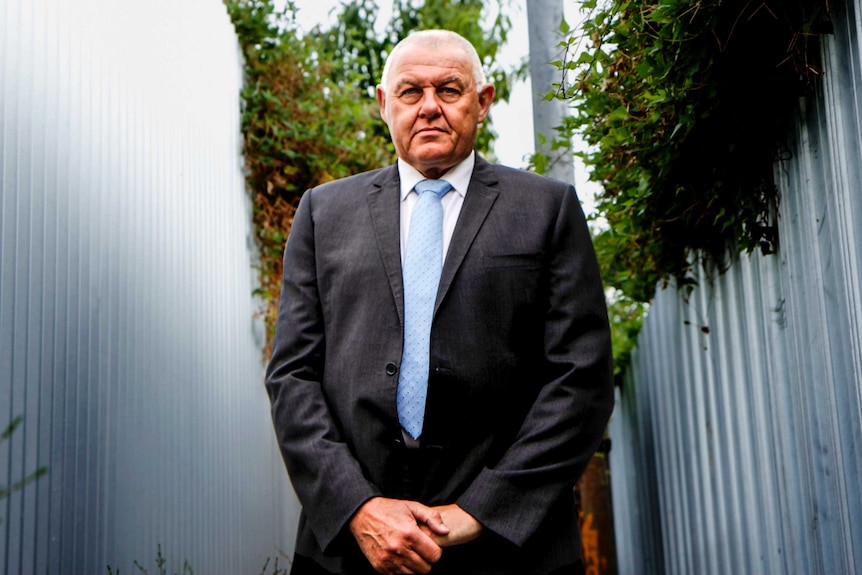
pixel 410 95
pixel 448 93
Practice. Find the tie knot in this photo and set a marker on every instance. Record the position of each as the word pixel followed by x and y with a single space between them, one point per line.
pixel 437 187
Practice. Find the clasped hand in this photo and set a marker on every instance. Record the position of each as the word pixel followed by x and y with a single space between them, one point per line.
pixel 400 536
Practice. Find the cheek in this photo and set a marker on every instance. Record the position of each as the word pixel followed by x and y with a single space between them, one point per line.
pixel 464 129
pixel 394 126
pixel 401 124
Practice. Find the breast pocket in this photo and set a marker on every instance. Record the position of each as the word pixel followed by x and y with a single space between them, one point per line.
pixel 527 260
pixel 513 283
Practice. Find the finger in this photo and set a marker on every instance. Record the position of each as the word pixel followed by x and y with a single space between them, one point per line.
pixel 415 563
pixel 430 517
pixel 400 560
pixel 440 540
pixel 463 527
pixel 425 547
pixel 401 563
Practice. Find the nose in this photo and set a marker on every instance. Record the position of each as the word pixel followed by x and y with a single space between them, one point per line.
pixel 430 107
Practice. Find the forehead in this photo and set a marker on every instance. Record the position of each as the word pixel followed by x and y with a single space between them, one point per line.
pixel 418 63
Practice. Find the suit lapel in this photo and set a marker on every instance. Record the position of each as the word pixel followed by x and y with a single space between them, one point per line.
pixel 477 203
pixel 384 203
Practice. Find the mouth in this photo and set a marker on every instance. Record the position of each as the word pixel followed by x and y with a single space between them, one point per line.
pixel 431 131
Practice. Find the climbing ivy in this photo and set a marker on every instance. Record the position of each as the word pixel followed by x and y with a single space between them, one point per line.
pixel 684 104
pixel 302 124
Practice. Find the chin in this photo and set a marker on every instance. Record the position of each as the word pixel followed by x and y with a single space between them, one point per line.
pixel 433 160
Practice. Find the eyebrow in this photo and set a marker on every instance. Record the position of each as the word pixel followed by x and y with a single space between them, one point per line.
pixel 450 80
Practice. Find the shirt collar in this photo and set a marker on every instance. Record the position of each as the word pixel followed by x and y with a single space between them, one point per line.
pixel 458 176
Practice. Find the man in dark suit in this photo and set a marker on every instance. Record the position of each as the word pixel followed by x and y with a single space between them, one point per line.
pixel 434 415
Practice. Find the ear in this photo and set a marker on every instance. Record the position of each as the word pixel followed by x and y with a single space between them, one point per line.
pixel 486 98
pixel 381 101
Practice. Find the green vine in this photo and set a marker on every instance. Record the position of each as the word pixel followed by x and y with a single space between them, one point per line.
pixel 6 435
pixel 684 104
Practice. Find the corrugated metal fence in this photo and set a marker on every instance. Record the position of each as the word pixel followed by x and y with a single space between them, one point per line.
pixel 738 438
pixel 128 339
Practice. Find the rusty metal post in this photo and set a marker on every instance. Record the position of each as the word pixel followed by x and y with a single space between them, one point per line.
pixel 593 494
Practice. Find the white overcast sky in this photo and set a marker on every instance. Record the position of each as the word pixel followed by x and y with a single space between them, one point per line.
pixel 513 121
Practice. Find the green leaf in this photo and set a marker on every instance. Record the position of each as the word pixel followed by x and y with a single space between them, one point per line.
pixel 564 26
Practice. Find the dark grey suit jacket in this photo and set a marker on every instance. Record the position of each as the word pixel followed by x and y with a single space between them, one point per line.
pixel 520 387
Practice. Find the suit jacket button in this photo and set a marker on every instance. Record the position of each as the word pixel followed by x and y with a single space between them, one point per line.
pixel 391 368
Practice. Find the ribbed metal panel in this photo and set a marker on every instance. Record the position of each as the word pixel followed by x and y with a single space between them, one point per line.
pixel 128 338
pixel 738 436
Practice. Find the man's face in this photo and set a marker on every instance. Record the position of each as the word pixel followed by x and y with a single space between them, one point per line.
pixel 432 107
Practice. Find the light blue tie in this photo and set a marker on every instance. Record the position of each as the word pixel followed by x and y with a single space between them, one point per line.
pixel 423 263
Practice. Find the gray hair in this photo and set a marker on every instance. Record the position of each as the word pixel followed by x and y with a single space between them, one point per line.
pixel 435 39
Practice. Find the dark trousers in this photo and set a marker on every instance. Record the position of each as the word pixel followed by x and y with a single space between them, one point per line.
pixel 305 566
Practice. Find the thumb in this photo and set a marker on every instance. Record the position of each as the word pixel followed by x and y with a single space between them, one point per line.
pixel 429 517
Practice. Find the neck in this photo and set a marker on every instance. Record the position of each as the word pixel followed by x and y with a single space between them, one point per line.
pixel 434 173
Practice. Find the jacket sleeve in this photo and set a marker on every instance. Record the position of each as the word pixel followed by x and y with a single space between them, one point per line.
pixel 565 424
pixel 325 475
